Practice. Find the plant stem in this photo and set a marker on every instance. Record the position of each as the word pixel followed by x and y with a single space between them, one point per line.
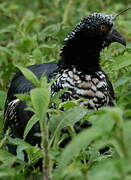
pixel 44 144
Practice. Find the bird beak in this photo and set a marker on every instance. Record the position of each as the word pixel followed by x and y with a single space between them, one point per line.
pixel 115 36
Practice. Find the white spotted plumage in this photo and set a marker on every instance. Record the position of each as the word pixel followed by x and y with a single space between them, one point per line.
pixel 84 86
pixel 11 111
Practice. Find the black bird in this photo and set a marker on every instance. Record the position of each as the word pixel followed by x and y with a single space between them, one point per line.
pixel 78 70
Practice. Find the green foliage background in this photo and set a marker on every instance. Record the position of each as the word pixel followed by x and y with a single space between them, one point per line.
pixel 32 32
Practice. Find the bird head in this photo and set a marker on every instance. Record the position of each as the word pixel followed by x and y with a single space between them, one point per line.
pixel 101 26
pixel 89 37
pixel 97 26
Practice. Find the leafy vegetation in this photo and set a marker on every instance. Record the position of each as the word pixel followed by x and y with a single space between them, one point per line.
pixel 32 32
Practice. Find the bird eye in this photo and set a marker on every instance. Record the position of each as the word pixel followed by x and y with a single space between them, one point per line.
pixel 103 27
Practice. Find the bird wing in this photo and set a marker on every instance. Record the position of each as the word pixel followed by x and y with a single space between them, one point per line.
pixel 15 107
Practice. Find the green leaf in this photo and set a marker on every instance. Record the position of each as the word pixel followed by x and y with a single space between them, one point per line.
pixel 105 169
pixel 83 139
pixel 2 99
pixel 17 141
pixel 56 97
pixel 121 81
pixel 68 104
pixel 121 61
pixel 29 75
pixel 3 173
pixel 5 50
pixel 6 157
pixel 127 136
pixel 20 153
pixel 67 118
pixel 40 98
pixel 79 142
pixel 34 153
pixel 29 125
pixel 23 97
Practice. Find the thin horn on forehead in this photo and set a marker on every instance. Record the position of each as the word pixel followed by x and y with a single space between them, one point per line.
pixel 122 12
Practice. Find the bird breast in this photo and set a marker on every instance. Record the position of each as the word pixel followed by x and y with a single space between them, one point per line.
pixel 92 88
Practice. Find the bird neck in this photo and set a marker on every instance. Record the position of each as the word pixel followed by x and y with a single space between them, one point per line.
pixel 82 52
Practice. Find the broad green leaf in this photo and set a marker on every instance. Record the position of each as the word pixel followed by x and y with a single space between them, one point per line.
pixel 29 125
pixel 6 157
pixel 29 75
pixel 72 115
pixel 17 141
pixel 40 98
pixel 104 169
pixel 68 104
pixel 3 173
pixel 23 97
pixel 67 118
